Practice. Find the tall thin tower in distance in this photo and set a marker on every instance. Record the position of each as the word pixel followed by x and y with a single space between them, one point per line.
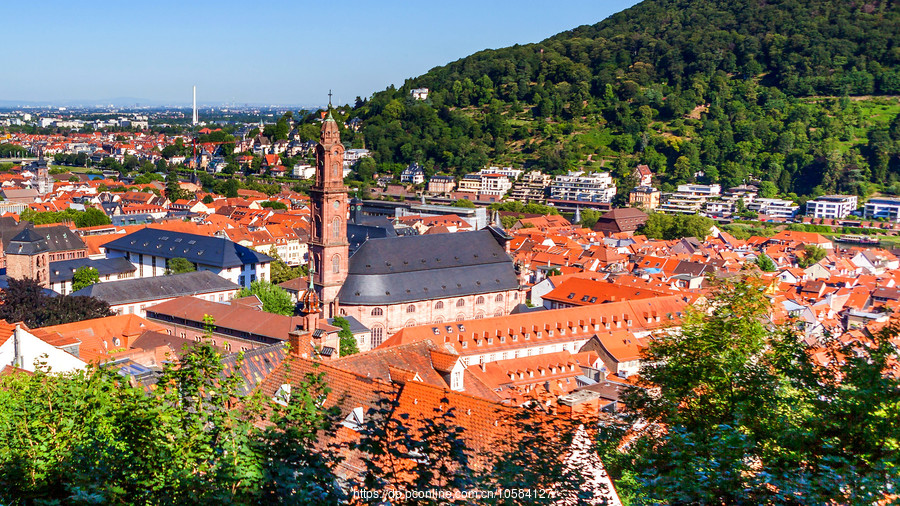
pixel 194 120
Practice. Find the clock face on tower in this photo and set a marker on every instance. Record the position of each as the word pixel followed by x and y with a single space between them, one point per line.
pixel 335 204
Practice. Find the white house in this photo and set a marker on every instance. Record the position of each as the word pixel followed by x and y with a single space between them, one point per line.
pixel 19 348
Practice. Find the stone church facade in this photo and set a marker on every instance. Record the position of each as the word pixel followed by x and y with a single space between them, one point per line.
pixel 392 283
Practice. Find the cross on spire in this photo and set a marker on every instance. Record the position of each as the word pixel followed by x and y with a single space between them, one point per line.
pixel 329 98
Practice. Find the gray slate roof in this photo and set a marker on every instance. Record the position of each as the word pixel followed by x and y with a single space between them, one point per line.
pixel 159 287
pixel 424 267
pixel 198 249
pixel 27 242
pixel 64 270
pixel 61 238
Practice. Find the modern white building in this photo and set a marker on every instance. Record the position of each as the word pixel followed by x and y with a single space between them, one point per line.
pixel 595 187
pixel 884 208
pixel 775 208
pixel 690 198
pixel 832 206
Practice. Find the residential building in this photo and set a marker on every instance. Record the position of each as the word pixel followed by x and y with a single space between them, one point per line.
pixel 413 174
pixel 643 175
pixel 645 197
pixel 578 186
pixel 775 208
pixel 21 349
pixel 441 184
pixel 832 206
pixel 883 208
pixel 62 273
pixel 532 187
pixel 689 198
pixel 419 93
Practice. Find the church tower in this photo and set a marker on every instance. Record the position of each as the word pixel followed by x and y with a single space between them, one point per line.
pixel 27 256
pixel 328 245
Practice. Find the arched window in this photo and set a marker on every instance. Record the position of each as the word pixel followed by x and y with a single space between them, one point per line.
pixel 336 228
pixel 498 312
pixel 460 317
pixel 479 301
pixel 439 319
pixel 411 308
pixel 410 323
pixel 498 298
pixel 377 311
pixel 461 303
pixel 317 227
pixel 479 315
pixel 377 336
pixel 439 304
pixel 336 170
pixel 336 264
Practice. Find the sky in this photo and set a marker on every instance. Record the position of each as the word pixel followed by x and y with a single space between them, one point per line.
pixel 273 52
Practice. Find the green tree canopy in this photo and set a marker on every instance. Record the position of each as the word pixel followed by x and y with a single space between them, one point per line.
pixel 747 414
pixel 179 265
pixel 348 342
pixel 84 276
pixel 274 298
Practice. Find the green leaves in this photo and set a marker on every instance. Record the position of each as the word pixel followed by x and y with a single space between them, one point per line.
pixel 273 297
pixel 741 412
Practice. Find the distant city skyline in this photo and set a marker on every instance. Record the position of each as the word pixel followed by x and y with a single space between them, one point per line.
pixel 285 53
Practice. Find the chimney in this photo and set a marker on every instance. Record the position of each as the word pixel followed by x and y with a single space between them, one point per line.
pixel 294 341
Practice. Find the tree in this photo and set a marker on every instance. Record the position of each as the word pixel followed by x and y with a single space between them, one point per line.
pixel 84 276
pixel 207 199
pixel 279 271
pixel 666 226
pixel 96 437
pixel 274 298
pixel 765 263
pixel 348 342
pixel 24 300
pixel 179 265
pixel 589 218
pixel 812 254
pixel 274 205
pixel 741 412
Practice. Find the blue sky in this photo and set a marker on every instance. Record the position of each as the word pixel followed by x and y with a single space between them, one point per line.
pixel 273 52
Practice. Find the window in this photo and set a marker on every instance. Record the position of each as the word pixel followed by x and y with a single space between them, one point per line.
pixel 411 308
pixel 498 298
pixel 336 264
pixel 410 323
pixel 461 303
pixel 479 301
pixel 377 336
pixel 336 228
pixel 241 280
pixel 460 317
pixel 479 315
pixel 439 305
pixel 377 311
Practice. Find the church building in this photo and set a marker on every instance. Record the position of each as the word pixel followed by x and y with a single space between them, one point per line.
pixel 396 282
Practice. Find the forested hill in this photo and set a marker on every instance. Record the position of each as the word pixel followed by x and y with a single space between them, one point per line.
pixel 798 93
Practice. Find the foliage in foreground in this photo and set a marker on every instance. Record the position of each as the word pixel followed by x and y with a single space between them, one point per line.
pixel 741 413
pixel 94 438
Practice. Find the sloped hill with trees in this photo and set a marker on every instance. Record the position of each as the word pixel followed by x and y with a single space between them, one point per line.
pixel 799 93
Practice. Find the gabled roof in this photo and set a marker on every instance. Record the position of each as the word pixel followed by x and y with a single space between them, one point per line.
pixel 199 249
pixel 64 270
pixel 158 287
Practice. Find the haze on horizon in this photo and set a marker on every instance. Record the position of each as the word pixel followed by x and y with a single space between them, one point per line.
pixel 288 53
